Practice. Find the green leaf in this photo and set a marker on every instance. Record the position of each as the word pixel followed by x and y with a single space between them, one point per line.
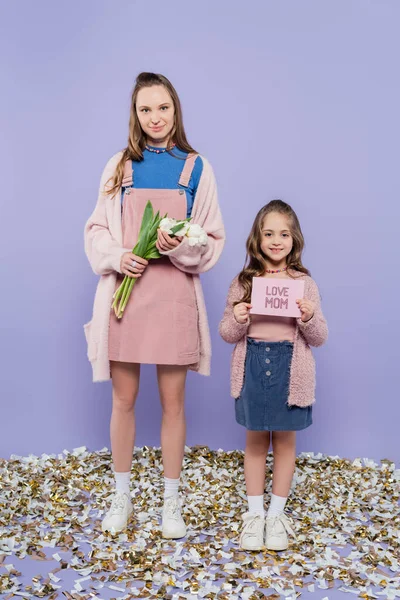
pixel 143 241
pixel 154 253
pixel 152 243
pixel 155 226
pixel 156 217
pixel 179 226
pixel 147 220
pixel 175 229
pixel 148 229
pixel 148 215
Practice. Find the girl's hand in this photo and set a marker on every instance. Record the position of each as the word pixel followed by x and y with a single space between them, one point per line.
pixel 241 312
pixel 165 242
pixel 307 309
pixel 132 265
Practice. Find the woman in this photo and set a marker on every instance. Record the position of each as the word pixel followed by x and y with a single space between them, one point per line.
pixel 165 321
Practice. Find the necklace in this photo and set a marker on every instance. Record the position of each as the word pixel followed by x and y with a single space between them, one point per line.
pixel 277 271
pixel 157 151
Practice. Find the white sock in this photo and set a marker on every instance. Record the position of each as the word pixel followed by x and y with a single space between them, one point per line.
pixel 256 504
pixel 122 483
pixel 277 506
pixel 171 487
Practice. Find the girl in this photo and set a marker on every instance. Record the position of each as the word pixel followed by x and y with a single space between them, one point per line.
pixel 165 321
pixel 273 372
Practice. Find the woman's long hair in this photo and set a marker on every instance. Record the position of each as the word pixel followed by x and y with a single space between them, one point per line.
pixel 137 138
pixel 255 259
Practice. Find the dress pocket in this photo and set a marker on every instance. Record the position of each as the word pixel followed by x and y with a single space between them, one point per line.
pixel 183 287
pixel 187 330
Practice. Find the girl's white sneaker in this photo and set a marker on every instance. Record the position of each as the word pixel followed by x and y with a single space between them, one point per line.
pixel 252 535
pixel 276 532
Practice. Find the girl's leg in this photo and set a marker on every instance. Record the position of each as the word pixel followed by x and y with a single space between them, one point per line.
pixel 278 525
pixel 257 445
pixel 284 448
pixel 171 384
pixel 125 381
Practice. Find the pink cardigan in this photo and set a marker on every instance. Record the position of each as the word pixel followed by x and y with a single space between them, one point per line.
pixel 103 247
pixel 314 333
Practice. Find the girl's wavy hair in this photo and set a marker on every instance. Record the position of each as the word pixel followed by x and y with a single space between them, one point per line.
pixel 137 138
pixel 255 263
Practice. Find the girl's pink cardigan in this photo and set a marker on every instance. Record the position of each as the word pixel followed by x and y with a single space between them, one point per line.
pixel 312 333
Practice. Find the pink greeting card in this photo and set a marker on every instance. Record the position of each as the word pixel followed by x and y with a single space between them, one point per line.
pixel 276 297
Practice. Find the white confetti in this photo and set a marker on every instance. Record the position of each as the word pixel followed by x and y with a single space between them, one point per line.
pixel 346 519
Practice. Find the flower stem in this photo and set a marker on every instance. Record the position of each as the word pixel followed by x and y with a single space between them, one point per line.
pixel 129 292
pixel 118 292
pixel 122 298
pixel 125 296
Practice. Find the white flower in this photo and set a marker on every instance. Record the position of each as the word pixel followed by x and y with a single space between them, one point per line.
pixel 197 236
pixel 167 224
pixel 184 229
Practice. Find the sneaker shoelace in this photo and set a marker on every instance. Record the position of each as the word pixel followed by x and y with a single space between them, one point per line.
pixel 117 504
pixel 252 525
pixel 285 521
pixel 172 508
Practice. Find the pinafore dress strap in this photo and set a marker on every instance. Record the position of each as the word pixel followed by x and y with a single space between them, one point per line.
pixel 127 180
pixel 187 169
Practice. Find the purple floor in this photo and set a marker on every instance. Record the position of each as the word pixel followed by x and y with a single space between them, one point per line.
pixel 346 518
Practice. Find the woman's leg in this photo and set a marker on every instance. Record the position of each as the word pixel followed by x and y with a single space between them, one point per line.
pixel 125 381
pixel 171 383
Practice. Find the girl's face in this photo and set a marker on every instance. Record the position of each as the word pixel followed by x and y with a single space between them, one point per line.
pixel 156 113
pixel 276 239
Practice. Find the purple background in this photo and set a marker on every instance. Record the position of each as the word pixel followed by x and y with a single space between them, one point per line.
pixel 298 100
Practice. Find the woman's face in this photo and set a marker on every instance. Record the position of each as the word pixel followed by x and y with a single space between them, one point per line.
pixel 156 113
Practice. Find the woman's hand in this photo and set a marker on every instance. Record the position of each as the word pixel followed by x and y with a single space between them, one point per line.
pixel 165 242
pixel 241 312
pixel 132 265
pixel 307 309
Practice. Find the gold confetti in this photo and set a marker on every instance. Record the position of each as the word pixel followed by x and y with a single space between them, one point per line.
pixel 346 519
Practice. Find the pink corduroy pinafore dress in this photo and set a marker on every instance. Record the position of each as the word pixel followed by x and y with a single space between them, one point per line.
pixel 160 321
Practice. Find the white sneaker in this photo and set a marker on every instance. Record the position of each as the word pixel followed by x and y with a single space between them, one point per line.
pixel 118 515
pixel 277 529
pixel 252 535
pixel 173 526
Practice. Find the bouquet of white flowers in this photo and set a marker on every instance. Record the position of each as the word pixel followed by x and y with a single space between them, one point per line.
pixel 195 234
pixel 146 247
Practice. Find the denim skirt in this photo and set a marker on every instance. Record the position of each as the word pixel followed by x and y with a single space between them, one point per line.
pixel 262 404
